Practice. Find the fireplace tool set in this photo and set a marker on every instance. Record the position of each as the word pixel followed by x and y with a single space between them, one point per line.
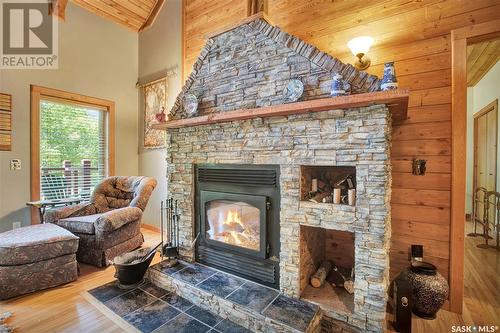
pixel 170 230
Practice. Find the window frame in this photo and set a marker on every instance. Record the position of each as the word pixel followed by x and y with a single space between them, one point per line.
pixel 39 93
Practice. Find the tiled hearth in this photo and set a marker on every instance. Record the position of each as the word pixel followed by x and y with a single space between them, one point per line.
pixel 149 308
pixel 256 307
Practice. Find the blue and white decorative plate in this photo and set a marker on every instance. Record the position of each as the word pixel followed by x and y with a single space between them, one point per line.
pixel 293 90
pixel 190 104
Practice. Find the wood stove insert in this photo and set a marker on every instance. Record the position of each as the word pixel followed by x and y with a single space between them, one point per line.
pixel 234 221
pixel 237 213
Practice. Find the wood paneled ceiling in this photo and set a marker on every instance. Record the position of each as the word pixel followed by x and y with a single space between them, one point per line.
pixel 134 14
pixel 480 58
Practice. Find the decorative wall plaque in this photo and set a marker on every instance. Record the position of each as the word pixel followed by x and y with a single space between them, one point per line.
pixel 190 104
pixel 293 90
pixel 155 96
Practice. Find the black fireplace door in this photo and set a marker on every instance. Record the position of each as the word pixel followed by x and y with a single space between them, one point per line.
pixel 235 222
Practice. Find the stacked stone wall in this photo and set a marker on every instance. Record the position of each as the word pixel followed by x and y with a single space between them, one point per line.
pixel 357 137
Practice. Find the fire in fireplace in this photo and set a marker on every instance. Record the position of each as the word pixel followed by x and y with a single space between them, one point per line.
pixel 237 210
pixel 235 223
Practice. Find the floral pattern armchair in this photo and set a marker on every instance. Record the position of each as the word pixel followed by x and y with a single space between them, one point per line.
pixel 109 224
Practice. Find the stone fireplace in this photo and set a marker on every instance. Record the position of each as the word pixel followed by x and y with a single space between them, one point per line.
pixel 357 138
pixel 247 67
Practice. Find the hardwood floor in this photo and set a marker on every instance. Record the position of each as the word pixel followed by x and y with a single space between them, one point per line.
pixel 482 282
pixel 64 309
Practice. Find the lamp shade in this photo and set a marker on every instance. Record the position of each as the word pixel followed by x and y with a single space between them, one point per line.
pixel 360 45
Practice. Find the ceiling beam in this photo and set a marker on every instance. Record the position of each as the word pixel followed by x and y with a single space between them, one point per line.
pixel 152 16
pixel 58 8
pixel 481 57
pixel 113 11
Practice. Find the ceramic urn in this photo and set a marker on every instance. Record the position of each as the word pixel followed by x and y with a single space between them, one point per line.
pixel 389 81
pixel 429 289
pixel 337 86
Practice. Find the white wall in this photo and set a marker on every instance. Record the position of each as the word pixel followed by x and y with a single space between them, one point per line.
pixel 97 58
pixel 159 49
pixel 483 93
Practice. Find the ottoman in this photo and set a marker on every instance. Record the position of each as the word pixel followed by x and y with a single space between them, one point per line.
pixel 36 257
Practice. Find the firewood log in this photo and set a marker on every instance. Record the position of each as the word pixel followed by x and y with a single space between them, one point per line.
pixel 318 278
pixel 318 198
pixel 349 286
pixel 348 283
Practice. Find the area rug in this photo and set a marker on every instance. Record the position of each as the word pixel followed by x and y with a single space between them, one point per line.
pixel 4 328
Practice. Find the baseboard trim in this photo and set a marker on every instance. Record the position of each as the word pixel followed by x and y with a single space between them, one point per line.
pixel 150 227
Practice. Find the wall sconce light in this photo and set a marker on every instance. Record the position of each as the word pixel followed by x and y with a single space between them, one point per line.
pixel 359 47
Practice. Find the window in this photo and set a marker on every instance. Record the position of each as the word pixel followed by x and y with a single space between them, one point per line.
pixel 72 143
pixel 73 149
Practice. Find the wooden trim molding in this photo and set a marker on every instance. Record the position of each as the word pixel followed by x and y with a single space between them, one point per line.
pixel 111 139
pixel 152 15
pixel 183 41
pixel 58 8
pixel 72 97
pixel 38 93
pixel 396 101
pixel 493 106
pixel 35 153
pixel 459 40
pixel 5 122
pixel 151 227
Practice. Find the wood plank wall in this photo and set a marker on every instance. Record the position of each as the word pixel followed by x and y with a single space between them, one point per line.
pixel 201 17
pixel 416 35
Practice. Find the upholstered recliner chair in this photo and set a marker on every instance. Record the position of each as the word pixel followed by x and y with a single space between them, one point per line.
pixel 110 224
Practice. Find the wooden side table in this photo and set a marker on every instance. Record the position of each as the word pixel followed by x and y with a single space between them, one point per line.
pixel 42 205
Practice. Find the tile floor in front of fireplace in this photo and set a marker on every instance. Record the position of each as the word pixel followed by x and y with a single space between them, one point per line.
pixel 152 309
pixel 253 297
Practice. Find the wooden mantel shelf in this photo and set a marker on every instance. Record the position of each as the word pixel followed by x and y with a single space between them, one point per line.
pixel 396 101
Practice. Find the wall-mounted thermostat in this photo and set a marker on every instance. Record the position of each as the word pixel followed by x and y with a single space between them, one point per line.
pixel 15 164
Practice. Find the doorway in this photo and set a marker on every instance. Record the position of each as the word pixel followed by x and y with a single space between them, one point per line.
pixel 485 145
pixel 475 123
pixel 480 268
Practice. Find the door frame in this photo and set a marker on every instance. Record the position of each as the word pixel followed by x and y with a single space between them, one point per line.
pixel 460 38
pixel 38 93
pixel 491 107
